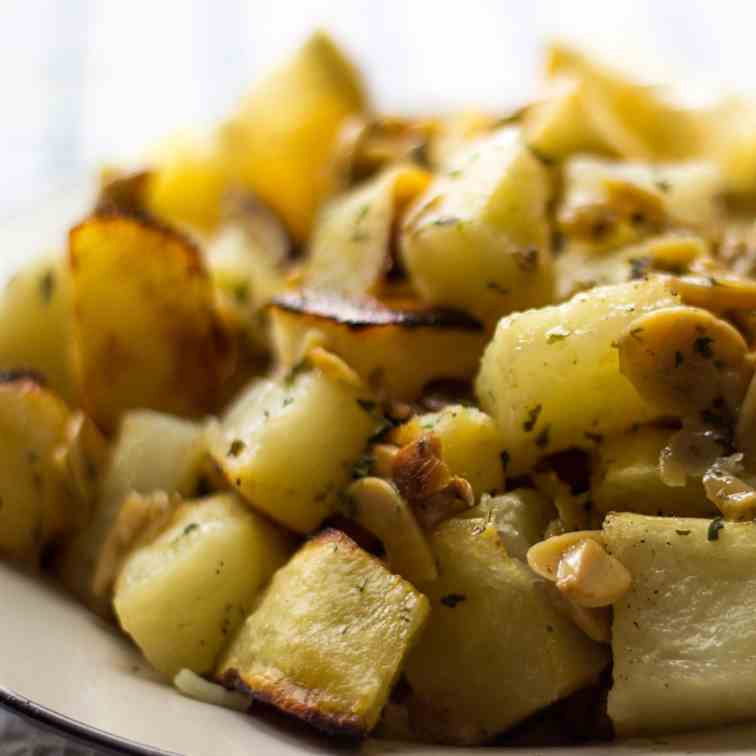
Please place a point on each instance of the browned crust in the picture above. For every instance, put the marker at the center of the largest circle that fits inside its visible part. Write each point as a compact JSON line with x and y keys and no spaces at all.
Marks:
{"x":280,"y":696}
{"x":23,"y":377}
{"x":126,"y":194}
{"x":358,"y":315}
{"x":147,"y":223}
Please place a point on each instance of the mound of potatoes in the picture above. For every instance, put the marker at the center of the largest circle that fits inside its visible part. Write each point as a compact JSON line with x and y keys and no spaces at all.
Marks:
{"x":434,"y":429}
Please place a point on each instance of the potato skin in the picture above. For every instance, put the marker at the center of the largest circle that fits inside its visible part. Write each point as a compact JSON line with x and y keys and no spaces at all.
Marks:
{"x":145,"y":332}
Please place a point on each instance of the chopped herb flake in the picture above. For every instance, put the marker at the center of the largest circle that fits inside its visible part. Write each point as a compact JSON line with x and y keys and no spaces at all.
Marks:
{"x":682,"y":532}
{"x":452,"y":599}
{"x":532,"y":419}
{"x":717,"y":524}
{"x":47,"y":286}
{"x":542,"y":439}
{"x":236,"y":448}
{"x":702,"y":346}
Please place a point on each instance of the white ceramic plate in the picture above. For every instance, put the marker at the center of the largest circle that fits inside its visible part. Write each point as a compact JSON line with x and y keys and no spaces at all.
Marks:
{"x":63,"y":668}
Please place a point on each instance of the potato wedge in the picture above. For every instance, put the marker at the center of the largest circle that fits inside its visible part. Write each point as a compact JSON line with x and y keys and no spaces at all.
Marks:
{"x":550,"y":378}
{"x":183,"y":595}
{"x":339,"y":677}
{"x":495,"y":649}
{"x":350,"y":251}
{"x":397,"y":351}
{"x":288,"y":446}
{"x":683,"y":638}
{"x":145,"y":333}
{"x":478,"y":238}
{"x":280,"y":141}
{"x":37,"y":506}
{"x":36,"y":322}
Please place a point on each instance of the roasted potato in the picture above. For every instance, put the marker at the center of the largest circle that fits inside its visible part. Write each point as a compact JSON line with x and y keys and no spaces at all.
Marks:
{"x":152,"y":452}
{"x":279,"y":142}
{"x":682,"y":639}
{"x":396,"y":350}
{"x":339,"y":677}
{"x":550,"y":378}
{"x":288,"y":445}
{"x":183,"y":594}
{"x":478,"y":239}
{"x":145,"y":332}
{"x":36,"y":322}
{"x":350,"y":251}
{"x":37,"y":506}
{"x":495,"y":650}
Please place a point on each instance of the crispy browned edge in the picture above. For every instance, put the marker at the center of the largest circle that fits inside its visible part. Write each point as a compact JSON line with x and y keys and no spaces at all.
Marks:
{"x":361,"y":314}
{"x":23,"y":378}
{"x":114,"y":216}
{"x":279,"y":695}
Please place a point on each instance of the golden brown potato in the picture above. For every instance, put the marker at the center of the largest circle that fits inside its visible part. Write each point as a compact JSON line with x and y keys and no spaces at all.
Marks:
{"x":397,"y":351}
{"x":280,"y":141}
{"x":145,"y":332}
{"x":328,"y":639}
{"x":478,"y":239}
{"x":37,"y":505}
{"x":35,"y":324}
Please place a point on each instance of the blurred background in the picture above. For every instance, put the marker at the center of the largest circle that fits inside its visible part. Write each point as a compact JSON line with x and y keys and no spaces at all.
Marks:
{"x":85,"y":81}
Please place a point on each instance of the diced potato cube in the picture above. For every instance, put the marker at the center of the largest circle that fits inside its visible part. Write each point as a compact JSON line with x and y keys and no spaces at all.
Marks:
{"x":478,"y":238}
{"x":152,"y":452}
{"x":683,"y":638}
{"x":35,"y":324}
{"x":350,"y":251}
{"x":471,"y":444}
{"x":182,"y":596}
{"x":396,"y":351}
{"x":145,"y":331}
{"x":280,"y":141}
{"x":626,"y":478}
{"x":35,"y":503}
{"x":495,"y":650}
{"x":288,"y":446}
{"x":550,"y":378}
{"x":328,"y":639}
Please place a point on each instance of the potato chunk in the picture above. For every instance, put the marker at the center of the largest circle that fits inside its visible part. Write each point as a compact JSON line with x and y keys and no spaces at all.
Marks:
{"x":280,"y":141}
{"x":145,"y":333}
{"x":683,"y":637}
{"x":350,"y":251}
{"x":478,"y":239}
{"x":627,"y":478}
{"x":396,"y":350}
{"x":551,"y":379}
{"x":471,"y":444}
{"x":152,"y":452}
{"x":36,"y":504}
{"x":35,"y":324}
{"x":287,"y":446}
{"x":183,"y":595}
{"x":328,"y":639}
{"x":495,"y":650}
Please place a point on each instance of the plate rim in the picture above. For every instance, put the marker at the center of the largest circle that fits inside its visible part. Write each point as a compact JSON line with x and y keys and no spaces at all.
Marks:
{"x":69,"y":727}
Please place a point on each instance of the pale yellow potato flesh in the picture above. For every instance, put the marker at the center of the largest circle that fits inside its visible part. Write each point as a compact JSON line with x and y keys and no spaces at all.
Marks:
{"x":683,"y":638}
{"x":182,"y":596}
